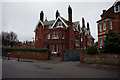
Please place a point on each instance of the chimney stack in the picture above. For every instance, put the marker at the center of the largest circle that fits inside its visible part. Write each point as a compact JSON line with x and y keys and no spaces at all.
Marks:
{"x":57,"y":14}
{"x":70,"y":14}
{"x":88,"y":28}
{"x":104,"y":11}
{"x":83,"y":23}
{"x":41,"y":15}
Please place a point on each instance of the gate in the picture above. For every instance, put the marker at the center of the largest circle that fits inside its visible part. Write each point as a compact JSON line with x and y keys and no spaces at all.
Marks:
{"x":71,"y":55}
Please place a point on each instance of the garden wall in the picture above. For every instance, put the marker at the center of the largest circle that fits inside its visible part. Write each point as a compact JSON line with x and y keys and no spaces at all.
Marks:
{"x":108,"y":59}
{"x":32,"y":53}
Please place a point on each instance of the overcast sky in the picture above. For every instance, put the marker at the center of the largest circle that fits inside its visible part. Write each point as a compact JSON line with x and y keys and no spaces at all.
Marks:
{"x":22,"y":17}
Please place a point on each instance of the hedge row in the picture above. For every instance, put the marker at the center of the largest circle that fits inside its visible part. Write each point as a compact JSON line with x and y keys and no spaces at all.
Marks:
{"x":25,"y":49}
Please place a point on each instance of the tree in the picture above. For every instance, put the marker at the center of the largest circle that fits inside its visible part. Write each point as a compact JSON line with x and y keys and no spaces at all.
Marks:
{"x":112,"y":43}
{"x":8,"y":39}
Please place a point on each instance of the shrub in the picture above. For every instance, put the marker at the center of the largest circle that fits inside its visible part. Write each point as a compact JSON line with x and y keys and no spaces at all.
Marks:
{"x":112,"y":43}
{"x":92,"y":50}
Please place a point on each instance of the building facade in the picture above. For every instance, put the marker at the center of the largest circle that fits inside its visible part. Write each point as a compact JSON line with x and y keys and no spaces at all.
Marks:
{"x":110,"y":19}
{"x":60,"y":33}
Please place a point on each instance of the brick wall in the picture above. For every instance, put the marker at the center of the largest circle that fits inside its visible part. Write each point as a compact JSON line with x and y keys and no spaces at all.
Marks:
{"x":27,"y":54}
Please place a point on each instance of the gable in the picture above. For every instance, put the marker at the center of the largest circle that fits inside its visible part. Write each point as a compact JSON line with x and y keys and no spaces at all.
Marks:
{"x":37,"y":26}
{"x":58,"y":20}
{"x":59,"y":24}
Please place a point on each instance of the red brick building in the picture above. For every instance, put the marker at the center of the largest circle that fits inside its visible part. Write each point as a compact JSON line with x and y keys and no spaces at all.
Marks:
{"x":61,"y":34}
{"x":110,"y":19}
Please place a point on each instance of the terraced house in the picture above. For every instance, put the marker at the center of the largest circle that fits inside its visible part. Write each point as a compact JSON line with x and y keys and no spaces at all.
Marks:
{"x":60,"y":33}
{"x":110,"y":19}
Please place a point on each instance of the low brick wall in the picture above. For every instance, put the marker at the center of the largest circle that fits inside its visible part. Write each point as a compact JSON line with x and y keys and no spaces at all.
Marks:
{"x":72,"y":55}
{"x":27,"y":54}
{"x":108,"y":59}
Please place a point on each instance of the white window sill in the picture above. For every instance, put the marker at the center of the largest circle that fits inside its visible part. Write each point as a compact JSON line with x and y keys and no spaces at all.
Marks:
{"x":59,"y":27}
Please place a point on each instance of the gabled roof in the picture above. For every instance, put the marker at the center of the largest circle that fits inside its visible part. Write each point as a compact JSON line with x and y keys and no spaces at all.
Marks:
{"x":38,"y":25}
{"x":62,"y":19}
{"x":117,"y":2}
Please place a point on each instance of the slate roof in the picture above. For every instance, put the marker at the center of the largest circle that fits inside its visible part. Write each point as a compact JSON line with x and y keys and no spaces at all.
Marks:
{"x":48,"y":22}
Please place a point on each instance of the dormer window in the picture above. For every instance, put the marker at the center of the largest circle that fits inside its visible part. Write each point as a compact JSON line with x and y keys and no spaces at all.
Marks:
{"x":117,"y":8}
{"x":59,"y":24}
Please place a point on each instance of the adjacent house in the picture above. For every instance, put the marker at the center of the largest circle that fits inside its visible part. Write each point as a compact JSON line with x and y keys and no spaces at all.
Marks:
{"x":60,"y":33}
{"x":110,"y":19}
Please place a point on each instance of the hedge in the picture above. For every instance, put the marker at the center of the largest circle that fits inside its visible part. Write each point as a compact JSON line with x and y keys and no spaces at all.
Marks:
{"x":25,"y":49}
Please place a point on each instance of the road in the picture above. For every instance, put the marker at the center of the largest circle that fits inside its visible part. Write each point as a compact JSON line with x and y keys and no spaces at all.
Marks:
{"x":38,"y":69}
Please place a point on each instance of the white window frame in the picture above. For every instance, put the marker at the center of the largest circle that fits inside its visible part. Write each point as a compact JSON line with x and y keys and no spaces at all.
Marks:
{"x":59,"y":24}
{"x":110,"y":24}
{"x":49,"y":27}
{"x":104,"y":25}
{"x":118,"y":6}
{"x":81,"y":39}
{"x":100,"y":27}
{"x":55,"y":35}
{"x":48,"y":36}
{"x":101,"y":42}
{"x":77,"y":42}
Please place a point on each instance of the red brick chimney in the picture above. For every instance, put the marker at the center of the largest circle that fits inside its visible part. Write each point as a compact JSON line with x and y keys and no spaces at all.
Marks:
{"x":83,"y":23}
{"x":57,"y":14}
{"x":41,"y":15}
{"x":71,"y":32}
{"x":70,"y":15}
{"x":88,"y":26}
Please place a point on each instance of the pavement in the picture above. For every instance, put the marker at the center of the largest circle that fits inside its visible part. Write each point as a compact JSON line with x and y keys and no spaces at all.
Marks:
{"x":55,"y":68}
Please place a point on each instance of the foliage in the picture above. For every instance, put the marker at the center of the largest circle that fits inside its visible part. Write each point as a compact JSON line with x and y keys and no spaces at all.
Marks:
{"x":92,"y":50}
{"x":112,"y":43}
{"x":8,"y":39}
{"x":26,"y":49}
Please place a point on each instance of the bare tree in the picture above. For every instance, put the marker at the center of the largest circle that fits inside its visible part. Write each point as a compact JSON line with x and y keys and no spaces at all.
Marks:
{"x":8,"y":39}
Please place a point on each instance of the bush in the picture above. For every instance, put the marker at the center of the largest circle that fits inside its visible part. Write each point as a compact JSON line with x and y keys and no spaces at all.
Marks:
{"x":112,"y":43}
{"x":92,"y":50}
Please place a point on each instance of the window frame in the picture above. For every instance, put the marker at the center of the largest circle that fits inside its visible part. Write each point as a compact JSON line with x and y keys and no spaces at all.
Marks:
{"x":49,"y":26}
{"x":62,"y":35}
{"x":48,"y":36}
{"x":100,"y":27}
{"x":110,"y":25}
{"x":104,"y":25}
{"x":55,"y":35}
{"x":59,"y":24}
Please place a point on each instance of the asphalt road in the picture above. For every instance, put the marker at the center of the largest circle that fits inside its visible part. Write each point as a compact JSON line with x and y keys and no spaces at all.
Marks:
{"x":35,"y":69}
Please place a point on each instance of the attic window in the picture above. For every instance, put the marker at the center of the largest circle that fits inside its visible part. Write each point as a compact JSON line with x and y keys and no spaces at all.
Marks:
{"x":49,"y":27}
{"x":117,"y":9}
{"x":59,"y":24}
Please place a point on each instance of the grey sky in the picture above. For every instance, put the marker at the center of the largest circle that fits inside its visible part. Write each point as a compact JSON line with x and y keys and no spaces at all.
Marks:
{"x":22,"y":17}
